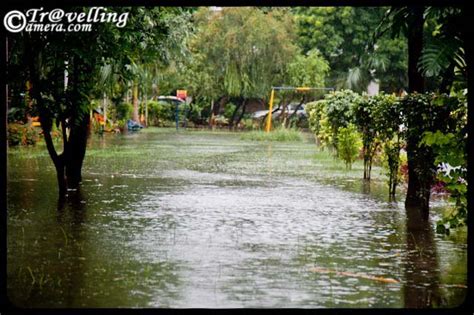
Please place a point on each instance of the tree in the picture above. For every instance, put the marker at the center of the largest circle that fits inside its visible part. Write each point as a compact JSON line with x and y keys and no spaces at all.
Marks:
{"x":344,"y":37}
{"x":367,"y":125}
{"x":241,"y":53}
{"x":433,"y":58}
{"x":45,"y":59}
{"x":349,"y":144}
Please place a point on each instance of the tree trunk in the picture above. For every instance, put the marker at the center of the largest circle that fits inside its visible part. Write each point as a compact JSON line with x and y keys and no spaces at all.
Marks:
{"x":61,"y":177}
{"x":232,"y":119}
{"x":76,"y":150}
{"x":211,"y":115}
{"x":417,"y":192}
{"x":244,"y":105}
{"x":295,"y":110}
{"x":415,"y":47}
{"x":146,"y":111}
{"x":135,"y":102}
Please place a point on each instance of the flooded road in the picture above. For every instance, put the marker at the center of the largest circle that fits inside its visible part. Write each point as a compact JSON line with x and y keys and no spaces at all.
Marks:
{"x":201,"y":219}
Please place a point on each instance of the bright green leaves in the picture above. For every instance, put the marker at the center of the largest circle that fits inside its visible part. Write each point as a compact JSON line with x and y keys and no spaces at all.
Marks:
{"x":242,"y":51}
{"x":349,"y":144}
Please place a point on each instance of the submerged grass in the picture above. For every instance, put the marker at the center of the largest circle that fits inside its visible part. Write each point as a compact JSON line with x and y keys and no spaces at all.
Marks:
{"x":280,"y":134}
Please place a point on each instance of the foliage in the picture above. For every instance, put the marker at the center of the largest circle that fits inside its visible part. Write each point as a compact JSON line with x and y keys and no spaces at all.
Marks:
{"x":339,"y":110}
{"x":21,"y":134}
{"x":229,"y":110}
{"x":240,"y":52}
{"x":199,"y":113}
{"x":425,"y":113}
{"x":318,"y":122}
{"x":391,"y":162}
{"x":123,"y":111}
{"x":388,"y":118}
{"x":279,"y":134}
{"x":160,"y":112}
{"x":342,"y":35}
{"x":308,"y":70}
{"x":367,"y":125}
{"x":350,"y":143}
{"x":442,"y":61}
{"x":444,"y":55}
{"x":450,"y":148}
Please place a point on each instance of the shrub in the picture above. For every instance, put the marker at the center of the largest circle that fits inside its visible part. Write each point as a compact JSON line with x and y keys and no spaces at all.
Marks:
{"x":315,"y":111}
{"x":159,"y":113}
{"x":199,"y":113}
{"x":319,"y":123}
{"x":350,"y":143}
{"x":391,"y":162}
{"x":229,"y":110}
{"x":19,"y":134}
{"x":123,"y":111}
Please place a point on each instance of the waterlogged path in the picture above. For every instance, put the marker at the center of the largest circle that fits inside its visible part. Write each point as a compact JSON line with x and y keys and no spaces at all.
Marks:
{"x":201,"y":219}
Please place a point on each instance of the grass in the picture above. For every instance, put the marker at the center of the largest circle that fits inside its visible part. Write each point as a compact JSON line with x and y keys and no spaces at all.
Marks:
{"x":280,"y":134}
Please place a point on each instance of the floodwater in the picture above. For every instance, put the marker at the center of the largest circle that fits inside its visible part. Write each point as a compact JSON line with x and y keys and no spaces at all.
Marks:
{"x":202,"y":219}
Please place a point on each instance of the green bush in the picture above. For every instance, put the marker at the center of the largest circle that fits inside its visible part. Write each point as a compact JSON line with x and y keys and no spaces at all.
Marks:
{"x":350,"y":143}
{"x":315,"y":111}
{"x":123,"y":111}
{"x":280,"y":134}
{"x":160,"y":113}
{"x":19,"y":134}
{"x":319,"y":123}
{"x":229,"y":110}
{"x":199,"y":113}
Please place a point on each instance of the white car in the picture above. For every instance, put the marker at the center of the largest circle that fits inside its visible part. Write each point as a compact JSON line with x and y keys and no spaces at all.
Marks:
{"x":290,"y":109}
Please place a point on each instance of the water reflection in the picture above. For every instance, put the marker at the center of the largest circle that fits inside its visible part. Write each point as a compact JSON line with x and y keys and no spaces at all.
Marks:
{"x":189,"y":220}
{"x":422,"y":272}
{"x":71,"y":218}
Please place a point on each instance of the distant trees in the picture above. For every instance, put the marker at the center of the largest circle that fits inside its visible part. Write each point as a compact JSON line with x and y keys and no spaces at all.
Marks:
{"x":241,"y":53}
{"x":343,"y":35}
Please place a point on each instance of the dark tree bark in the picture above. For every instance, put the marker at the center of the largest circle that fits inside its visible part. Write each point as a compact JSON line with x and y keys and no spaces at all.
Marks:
{"x":415,"y":47}
{"x":68,"y":164}
{"x":234,"y":114}
{"x":417,"y":193}
{"x":77,"y":144}
{"x":244,"y":106}
{"x":295,"y":110}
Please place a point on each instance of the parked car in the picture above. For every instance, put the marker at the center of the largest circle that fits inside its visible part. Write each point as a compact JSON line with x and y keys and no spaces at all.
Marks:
{"x":299,"y":112}
{"x":290,"y":109}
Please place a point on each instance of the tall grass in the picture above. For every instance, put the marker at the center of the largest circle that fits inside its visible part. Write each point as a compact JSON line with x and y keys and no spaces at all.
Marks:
{"x":279,"y":134}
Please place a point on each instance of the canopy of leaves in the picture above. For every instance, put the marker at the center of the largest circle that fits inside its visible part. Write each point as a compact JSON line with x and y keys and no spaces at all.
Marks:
{"x":344,"y":37}
{"x":241,"y":52}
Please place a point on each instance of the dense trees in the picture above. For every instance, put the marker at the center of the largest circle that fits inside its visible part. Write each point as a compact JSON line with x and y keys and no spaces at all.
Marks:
{"x":344,"y":37}
{"x":63,"y":71}
{"x":244,"y":51}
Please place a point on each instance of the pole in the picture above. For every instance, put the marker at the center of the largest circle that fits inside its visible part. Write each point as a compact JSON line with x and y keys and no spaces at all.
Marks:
{"x":105,"y":109}
{"x":269,"y":118}
{"x":146,"y":110}
{"x":177,"y":115}
{"x":186,"y":111}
